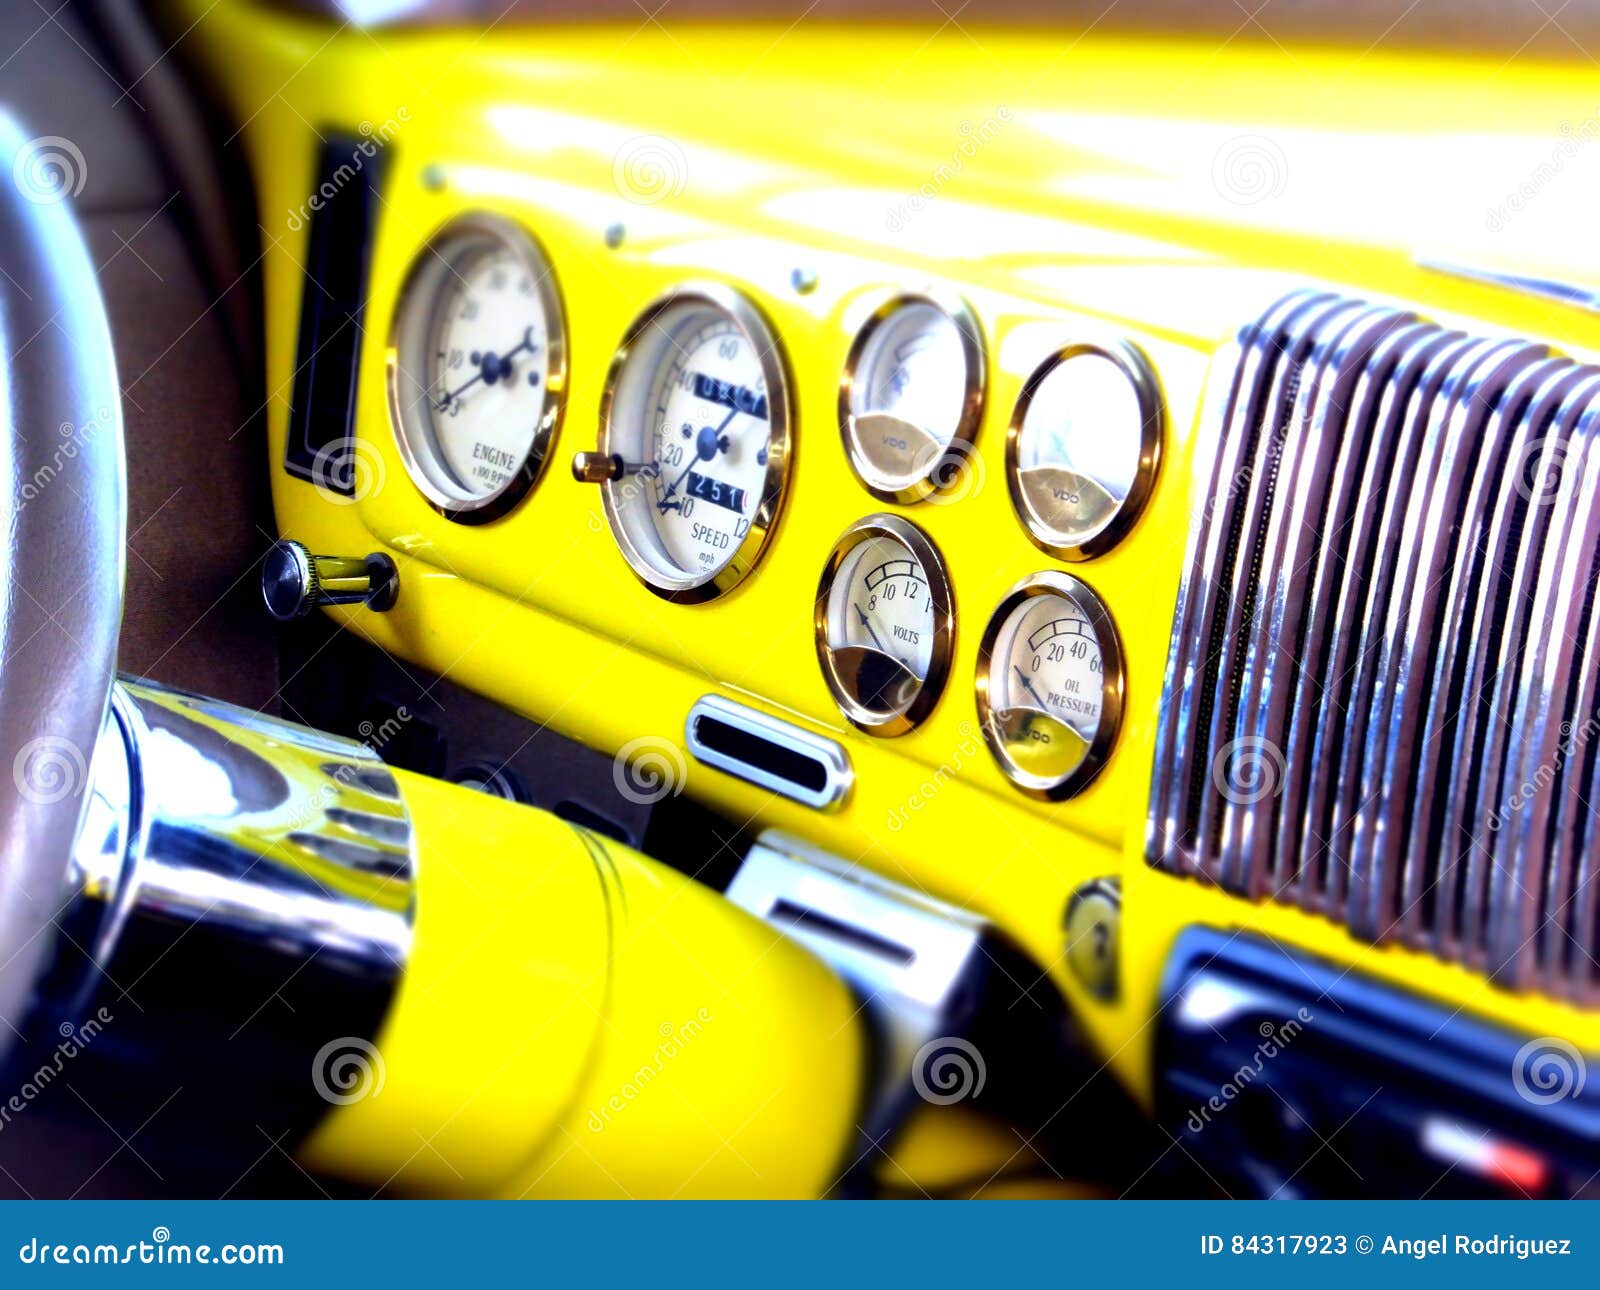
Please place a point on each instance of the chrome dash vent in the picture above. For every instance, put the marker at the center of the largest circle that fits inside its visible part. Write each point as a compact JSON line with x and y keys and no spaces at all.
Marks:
{"x":1382,"y":696}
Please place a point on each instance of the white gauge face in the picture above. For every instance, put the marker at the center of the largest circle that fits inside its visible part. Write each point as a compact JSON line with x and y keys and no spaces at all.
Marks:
{"x":880,"y":601}
{"x":1052,"y":663}
{"x":885,"y":624}
{"x":478,"y":349}
{"x":910,"y":394}
{"x":1047,"y":683}
{"x":692,"y":420}
{"x":1081,"y":448}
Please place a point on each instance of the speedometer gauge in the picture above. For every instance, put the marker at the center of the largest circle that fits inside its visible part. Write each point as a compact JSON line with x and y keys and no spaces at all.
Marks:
{"x":1083,"y":448}
{"x":885,"y":624}
{"x":912,"y":397}
{"x":477,"y":367}
{"x":694,"y":442}
{"x":1050,"y":685}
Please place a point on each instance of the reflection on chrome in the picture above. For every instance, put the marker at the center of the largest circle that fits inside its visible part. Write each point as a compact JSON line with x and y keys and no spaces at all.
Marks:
{"x":248,"y":877}
{"x":286,"y":836}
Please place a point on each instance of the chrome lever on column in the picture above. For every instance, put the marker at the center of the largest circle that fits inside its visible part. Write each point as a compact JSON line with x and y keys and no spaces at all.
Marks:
{"x":237,"y":912}
{"x":294,"y":582}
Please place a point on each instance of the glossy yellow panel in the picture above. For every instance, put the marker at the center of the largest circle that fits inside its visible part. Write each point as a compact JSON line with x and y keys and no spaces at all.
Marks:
{"x":1068,"y":187}
{"x":577,"y":1020}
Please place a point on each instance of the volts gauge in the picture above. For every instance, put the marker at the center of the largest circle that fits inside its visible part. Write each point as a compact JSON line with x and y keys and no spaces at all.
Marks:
{"x":885,"y":624}
{"x":1083,"y":448}
{"x":694,"y":442}
{"x":912,"y":396}
{"x":477,"y":367}
{"x":1050,"y":685}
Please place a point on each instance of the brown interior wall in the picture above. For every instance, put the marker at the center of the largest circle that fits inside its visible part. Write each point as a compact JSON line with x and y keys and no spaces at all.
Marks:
{"x":197,"y":512}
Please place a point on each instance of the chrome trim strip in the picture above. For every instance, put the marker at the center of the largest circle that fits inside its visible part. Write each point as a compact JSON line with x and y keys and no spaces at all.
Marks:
{"x":1506,"y":670}
{"x":1275,"y":433}
{"x":1164,"y":843}
{"x":827,"y":754}
{"x":1558,"y":934}
{"x":1430,"y":543}
{"x":1410,"y":411}
{"x":1388,"y":633}
{"x":1581,"y":965}
{"x":1295,"y":523}
{"x":1289,"y":410}
{"x":1362,"y":459}
{"x":1559,"y":606}
{"x":1226,"y":442}
{"x":1473,"y":579}
{"x":1567,"y":293}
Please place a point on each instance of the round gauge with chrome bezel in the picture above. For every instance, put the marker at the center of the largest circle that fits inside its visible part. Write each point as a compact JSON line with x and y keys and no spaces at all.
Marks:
{"x":694,"y":442}
{"x":477,"y":367}
{"x":1050,"y":685}
{"x":885,"y":624}
{"x":1083,"y":448}
{"x":911,"y":398}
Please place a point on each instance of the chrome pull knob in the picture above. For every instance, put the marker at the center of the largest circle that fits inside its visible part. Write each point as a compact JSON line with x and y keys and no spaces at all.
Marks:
{"x":294,"y":582}
{"x":596,"y":467}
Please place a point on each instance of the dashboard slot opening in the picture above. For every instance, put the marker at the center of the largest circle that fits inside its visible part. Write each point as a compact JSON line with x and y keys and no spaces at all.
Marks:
{"x":322,"y":404}
{"x":761,"y":754}
{"x":787,"y":913}
{"x":768,"y":751}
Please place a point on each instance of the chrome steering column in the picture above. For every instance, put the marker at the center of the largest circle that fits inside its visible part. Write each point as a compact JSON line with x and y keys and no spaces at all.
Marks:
{"x":237,"y":917}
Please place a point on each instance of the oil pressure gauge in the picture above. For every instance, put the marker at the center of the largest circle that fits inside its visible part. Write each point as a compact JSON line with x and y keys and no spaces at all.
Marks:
{"x":885,"y":624}
{"x":1082,"y":451}
{"x":1050,"y":685}
{"x":912,"y":396}
{"x":477,"y":367}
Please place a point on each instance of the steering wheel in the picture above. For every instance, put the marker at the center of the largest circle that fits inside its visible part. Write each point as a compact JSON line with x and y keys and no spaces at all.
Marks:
{"x":63,"y":498}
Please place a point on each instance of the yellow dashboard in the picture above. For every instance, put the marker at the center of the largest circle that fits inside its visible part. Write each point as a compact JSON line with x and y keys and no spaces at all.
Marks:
{"x":1062,"y":205}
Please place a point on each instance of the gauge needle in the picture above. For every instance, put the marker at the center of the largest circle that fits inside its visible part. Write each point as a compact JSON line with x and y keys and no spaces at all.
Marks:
{"x":707,"y":446}
{"x":491,"y":368}
{"x":1028,"y":686}
{"x":867,"y":623}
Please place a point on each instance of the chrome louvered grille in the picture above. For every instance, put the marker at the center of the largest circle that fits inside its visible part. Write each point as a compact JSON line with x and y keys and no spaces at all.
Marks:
{"x":1384,"y":677}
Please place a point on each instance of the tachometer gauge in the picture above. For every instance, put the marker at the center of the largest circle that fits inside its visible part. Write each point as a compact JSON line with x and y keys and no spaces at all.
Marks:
{"x":1084,"y":444}
{"x":912,"y":397}
{"x":694,"y":442}
{"x":885,"y":624}
{"x":1050,"y":685}
{"x":477,"y":367}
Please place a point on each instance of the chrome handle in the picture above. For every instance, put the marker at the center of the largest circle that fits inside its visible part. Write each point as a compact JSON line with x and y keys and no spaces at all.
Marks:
{"x":294,"y":582}
{"x":596,"y":468}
